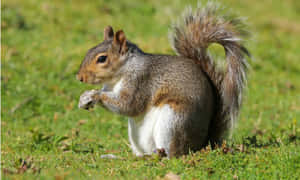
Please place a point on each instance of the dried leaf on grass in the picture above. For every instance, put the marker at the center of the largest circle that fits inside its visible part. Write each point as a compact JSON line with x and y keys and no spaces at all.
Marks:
{"x":171,"y":176}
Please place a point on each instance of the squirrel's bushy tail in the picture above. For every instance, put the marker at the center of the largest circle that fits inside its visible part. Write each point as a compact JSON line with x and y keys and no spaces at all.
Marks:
{"x":191,"y":39}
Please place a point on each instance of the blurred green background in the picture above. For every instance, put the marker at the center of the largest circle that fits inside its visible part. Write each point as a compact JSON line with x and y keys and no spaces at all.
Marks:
{"x":44,"y":135}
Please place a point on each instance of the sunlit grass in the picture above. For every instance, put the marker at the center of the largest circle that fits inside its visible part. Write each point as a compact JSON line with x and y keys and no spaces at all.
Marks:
{"x":45,"y":135}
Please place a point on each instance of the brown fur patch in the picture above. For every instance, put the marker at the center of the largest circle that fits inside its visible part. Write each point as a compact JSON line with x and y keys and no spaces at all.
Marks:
{"x":166,"y":96}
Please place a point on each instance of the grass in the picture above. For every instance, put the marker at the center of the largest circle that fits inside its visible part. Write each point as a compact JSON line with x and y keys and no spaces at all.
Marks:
{"x":44,"y":135}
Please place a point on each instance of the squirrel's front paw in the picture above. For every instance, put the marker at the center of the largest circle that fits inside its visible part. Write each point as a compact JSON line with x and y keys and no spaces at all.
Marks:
{"x":88,"y":99}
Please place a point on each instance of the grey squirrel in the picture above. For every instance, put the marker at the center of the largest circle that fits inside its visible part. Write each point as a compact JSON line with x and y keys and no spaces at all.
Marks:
{"x":175,"y":104}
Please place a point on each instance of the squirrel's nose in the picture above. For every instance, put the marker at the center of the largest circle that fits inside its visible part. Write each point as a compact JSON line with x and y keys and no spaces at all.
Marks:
{"x":80,"y":78}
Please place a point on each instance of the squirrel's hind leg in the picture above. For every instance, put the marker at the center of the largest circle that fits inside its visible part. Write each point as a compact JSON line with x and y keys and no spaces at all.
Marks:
{"x":178,"y":132}
{"x":168,"y":130}
{"x":153,"y":132}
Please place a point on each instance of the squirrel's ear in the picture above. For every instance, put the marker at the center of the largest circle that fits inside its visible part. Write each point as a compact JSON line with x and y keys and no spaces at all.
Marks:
{"x":108,"y":33}
{"x":120,"y":39}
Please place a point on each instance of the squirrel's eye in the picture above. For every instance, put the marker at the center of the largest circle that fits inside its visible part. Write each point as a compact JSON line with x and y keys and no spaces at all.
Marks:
{"x":101,"y":59}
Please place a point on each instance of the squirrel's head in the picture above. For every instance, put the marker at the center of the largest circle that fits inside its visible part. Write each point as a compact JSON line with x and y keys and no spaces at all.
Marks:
{"x":103,"y":61}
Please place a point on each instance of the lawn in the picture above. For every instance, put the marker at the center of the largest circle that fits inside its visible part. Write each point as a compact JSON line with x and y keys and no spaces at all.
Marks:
{"x":45,"y":136}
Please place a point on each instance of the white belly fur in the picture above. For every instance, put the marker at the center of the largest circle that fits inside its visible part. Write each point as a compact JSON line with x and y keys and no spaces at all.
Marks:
{"x":153,"y":131}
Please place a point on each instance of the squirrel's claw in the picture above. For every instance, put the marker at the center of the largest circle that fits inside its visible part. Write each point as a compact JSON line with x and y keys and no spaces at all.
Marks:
{"x":87,"y":100}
